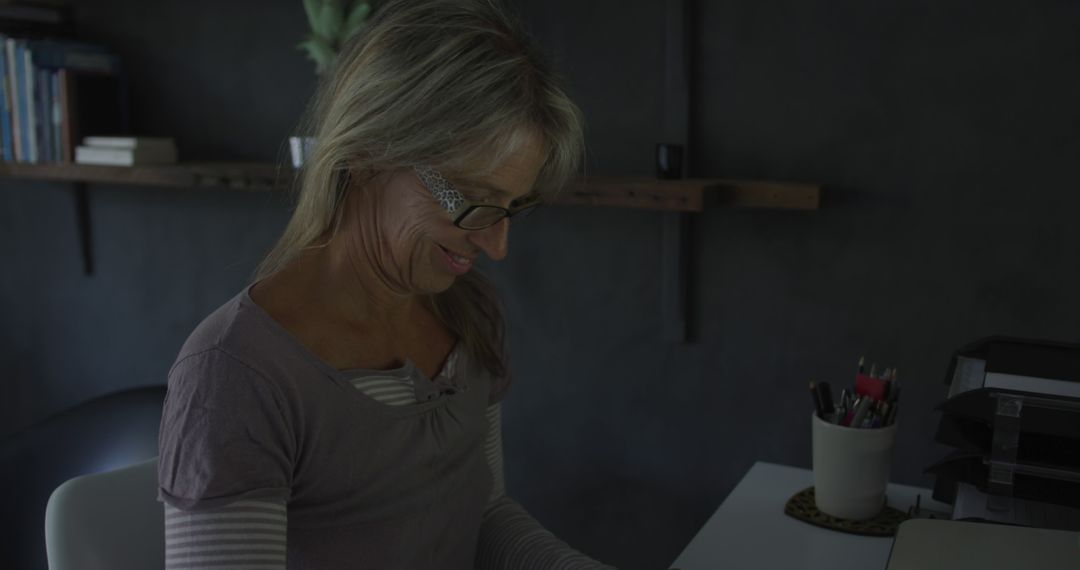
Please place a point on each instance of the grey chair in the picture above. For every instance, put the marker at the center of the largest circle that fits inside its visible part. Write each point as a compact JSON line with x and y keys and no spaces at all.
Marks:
{"x":107,"y":520}
{"x":111,"y":431}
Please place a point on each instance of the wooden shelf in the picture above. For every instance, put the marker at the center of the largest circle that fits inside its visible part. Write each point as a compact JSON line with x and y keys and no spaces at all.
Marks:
{"x":238,"y":176}
{"x":691,"y":195}
{"x":687,"y":195}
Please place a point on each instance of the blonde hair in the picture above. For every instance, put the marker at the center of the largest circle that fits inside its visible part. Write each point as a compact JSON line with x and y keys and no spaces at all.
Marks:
{"x":441,"y":83}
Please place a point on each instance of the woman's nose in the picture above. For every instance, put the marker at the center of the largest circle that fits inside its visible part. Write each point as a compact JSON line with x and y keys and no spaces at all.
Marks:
{"x":494,"y":240}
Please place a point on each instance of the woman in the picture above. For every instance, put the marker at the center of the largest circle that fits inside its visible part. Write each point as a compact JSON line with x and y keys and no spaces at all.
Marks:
{"x":343,"y":411}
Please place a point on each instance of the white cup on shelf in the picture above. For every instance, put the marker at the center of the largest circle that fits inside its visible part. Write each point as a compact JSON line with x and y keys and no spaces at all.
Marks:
{"x":300,"y":148}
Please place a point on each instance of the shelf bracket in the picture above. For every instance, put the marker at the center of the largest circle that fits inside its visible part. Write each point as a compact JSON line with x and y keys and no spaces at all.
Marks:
{"x":674,"y":252}
{"x":82,"y":215}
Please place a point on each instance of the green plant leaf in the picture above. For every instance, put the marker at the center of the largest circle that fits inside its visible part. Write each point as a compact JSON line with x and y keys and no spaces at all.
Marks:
{"x":320,"y":52}
{"x":312,"y":8}
{"x":357,"y":16}
{"x":331,"y":20}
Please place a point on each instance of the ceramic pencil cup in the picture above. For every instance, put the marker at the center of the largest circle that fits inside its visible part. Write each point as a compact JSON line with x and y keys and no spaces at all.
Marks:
{"x":851,"y":468}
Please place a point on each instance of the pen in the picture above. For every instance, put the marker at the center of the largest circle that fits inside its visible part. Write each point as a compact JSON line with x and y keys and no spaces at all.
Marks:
{"x":825,"y":397}
{"x":861,"y":408}
{"x":891,"y":416}
{"x":819,"y":408}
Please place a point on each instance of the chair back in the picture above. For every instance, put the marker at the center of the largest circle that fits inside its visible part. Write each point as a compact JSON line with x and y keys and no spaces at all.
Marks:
{"x":107,"y":521}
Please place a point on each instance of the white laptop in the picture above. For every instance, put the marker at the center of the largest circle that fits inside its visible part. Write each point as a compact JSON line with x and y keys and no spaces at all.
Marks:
{"x":927,"y":544}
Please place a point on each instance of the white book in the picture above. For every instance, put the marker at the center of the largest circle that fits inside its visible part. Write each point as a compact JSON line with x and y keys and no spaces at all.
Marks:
{"x":128,"y":142}
{"x":125,"y":156}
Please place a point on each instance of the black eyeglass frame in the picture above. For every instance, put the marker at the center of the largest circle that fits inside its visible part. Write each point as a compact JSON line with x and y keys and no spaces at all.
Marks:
{"x":525,"y":204}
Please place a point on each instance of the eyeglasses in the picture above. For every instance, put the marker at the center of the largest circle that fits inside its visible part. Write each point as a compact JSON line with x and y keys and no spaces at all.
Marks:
{"x":466,"y":214}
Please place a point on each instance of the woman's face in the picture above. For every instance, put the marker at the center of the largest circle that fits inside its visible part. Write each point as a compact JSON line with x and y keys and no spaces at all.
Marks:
{"x":411,"y":241}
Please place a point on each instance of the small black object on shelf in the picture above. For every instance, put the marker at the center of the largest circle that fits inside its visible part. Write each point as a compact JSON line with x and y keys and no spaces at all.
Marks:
{"x":669,"y":161}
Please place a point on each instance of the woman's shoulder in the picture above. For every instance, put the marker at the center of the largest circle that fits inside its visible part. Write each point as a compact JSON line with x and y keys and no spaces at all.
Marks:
{"x":237,"y":332}
{"x":212,"y":330}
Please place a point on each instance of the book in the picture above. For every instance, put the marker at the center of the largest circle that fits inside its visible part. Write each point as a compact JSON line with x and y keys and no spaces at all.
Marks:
{"x":57,"y":116}
{"x":11,"y":50}
{"x":57,"y":54}
{"x":24,"y":94}
{"x":30,"y":82}
{"x":125,"y":156}
{"x":43,"y":108}
{"x":67,"y":138}
{"x":128,"y":142}
{"x":6,"y":139}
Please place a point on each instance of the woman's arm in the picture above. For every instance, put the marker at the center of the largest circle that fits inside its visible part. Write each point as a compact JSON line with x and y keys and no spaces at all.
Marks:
{"x":247,"y":535}
{"x":510,"y":538}
{"x":224,"y":466}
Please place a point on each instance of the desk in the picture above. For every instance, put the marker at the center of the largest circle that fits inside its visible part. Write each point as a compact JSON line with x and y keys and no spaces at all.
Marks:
{"x":750,"y":529}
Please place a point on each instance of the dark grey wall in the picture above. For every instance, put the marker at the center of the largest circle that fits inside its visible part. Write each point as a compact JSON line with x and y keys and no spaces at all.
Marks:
{"x":946,"y":134}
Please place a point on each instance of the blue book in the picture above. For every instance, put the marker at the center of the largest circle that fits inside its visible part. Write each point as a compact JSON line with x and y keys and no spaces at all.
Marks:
{"x":7,"y":141}
{"x":13,"y":98}
{"x":30,"y":81}
{"x":57,"y":117}
{"x":57,"y":54}
{"x":23,"y":92}
{"x":43,"y":114}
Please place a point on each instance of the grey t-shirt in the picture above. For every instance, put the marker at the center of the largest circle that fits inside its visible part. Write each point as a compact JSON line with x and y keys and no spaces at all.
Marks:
{"x":253,"y":414}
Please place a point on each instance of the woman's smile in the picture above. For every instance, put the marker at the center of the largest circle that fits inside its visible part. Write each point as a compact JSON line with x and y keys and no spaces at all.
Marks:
{"x":457,"y":263}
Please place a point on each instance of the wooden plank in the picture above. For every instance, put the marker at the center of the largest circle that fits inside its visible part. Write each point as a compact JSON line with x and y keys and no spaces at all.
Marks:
{"x":683,"y":195}
{"x":754,"y":194}
{"x":240,"y":176}
{"x":648,"y":193}
{"x":691,"y":195}
{"x":247,"y":176}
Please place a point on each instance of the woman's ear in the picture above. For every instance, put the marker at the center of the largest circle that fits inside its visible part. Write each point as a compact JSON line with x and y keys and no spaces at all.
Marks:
{"x":360,"y":180}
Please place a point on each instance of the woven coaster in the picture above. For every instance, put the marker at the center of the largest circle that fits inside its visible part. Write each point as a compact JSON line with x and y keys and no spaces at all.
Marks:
{"x":802,"y":507}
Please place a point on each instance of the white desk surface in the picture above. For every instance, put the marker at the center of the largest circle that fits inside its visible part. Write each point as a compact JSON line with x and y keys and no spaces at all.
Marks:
{"x":750,"y":529}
